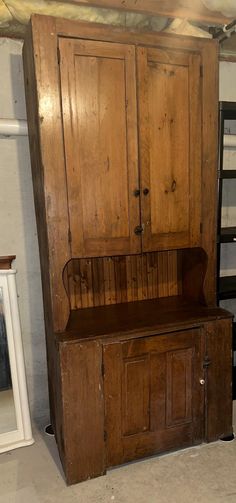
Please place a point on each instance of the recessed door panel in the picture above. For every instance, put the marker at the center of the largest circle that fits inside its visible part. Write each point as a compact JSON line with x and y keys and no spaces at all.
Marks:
{"x":135,"y":395}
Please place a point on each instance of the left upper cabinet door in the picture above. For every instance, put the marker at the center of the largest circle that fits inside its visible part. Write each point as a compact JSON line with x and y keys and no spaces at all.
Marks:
{"x":98,"y":92}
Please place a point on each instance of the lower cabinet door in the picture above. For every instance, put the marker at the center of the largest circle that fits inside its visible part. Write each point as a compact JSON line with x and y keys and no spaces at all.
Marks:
{"x":154,"y":394}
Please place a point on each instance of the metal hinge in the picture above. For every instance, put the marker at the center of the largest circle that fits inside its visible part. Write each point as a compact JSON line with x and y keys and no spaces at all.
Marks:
{"x":206,"y":362}
{"x":201,"y":71}
{"x":58,"y":56}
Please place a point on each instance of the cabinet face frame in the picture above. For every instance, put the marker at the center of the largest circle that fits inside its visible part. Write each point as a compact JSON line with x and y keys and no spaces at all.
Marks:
{"x":50,"y":176}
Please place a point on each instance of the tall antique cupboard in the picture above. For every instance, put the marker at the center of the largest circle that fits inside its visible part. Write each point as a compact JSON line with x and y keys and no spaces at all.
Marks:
{"x":123,"y":140}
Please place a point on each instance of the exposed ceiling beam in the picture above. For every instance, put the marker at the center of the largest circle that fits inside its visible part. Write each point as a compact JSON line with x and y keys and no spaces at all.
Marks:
{"x":190,"y":9}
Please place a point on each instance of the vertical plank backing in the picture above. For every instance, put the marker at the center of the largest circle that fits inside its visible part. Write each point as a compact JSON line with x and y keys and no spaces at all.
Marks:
{"x":83,"y":455}
{"x":113,"y":280}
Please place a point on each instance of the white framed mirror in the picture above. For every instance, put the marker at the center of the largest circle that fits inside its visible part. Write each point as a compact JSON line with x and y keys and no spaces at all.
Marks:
{"x":15,"y":425}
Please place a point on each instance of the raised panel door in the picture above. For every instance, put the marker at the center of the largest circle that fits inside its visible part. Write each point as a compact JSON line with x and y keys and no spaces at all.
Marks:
{"x":153,"y":398}
{"x":169,"y":98}
{"x":98,"y":89}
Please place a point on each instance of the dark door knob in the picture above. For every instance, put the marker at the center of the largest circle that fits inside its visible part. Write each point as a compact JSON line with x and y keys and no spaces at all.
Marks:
{"x":136,"y":192}
{"x":138,"y":230}
{"x":145,"y":191}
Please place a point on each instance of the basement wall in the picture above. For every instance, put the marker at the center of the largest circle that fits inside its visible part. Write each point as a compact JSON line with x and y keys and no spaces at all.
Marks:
{"x":18,"y":234}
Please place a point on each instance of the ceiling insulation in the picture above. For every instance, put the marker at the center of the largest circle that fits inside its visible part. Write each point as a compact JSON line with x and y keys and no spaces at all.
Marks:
{"x":15,"y":14}
{"x":226,"y":7}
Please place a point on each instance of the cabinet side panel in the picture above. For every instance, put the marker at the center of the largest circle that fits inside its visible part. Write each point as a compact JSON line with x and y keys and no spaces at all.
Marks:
{"x":46,"y":141}
{"x":209,"y":165}
{"x":219,"y":379}
{"x":39,"y":201}
{"x":83,"y":411}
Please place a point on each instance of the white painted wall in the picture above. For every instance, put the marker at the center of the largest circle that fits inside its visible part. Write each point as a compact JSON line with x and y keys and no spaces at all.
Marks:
{"x":18,"y":235}
{"x":227,"y":92}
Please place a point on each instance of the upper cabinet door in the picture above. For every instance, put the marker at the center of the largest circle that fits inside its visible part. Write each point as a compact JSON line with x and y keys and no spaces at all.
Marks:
{"x":169,"y":97}
{"x":98,"y":87}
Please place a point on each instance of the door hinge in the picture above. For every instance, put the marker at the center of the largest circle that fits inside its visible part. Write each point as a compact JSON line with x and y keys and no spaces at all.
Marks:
{"x":201,"y":228}
{"x":206,"y":362}
{"x":69,"y":236}
{"x":201,"y":71}
{"x":58,"y":56}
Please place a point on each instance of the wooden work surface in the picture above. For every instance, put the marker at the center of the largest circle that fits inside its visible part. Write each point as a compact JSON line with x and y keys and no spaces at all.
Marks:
{"x":154,"y":316}
{"x":5,"y":262}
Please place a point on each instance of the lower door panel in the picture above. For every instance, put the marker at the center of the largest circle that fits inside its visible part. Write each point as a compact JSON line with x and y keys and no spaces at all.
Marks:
{"x":153,"y":398}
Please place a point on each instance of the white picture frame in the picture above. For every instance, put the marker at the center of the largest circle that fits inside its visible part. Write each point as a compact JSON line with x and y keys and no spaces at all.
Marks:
{"x":22,"y":435}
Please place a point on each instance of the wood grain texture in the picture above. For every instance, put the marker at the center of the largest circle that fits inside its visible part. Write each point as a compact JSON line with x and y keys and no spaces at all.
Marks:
{"x":5,"y":262}
{"x":132,"y":319}
{"x":169,"y":98}
{"x":40,"y":209}
{"x":112,"y":280}
{"x":83,"y":411}
{"x":100,"y":129}
{"x":44,"y":114}
{"x":132,"y":431}
{"x":148,"y":310}
{"x":98,"y":31}
{"x":219,"y":379}
{"x":194,"y":263}
{"x":183,"y":9}
{"x":210,"y":89}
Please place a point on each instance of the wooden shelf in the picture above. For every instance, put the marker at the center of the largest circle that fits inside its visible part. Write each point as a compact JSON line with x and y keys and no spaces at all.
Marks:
{"x":227,"y":235}
{"x":227,"y":173}
{"x":228,"y":109}
{"x":227,"y":287}
{"x":153,"y":316}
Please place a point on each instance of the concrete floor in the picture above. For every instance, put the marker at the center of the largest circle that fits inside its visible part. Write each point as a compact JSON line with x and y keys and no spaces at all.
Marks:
{"x":204,"y":474}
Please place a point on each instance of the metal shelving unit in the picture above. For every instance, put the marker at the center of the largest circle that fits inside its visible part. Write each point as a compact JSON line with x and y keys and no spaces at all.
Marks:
{"x":226,"y":284}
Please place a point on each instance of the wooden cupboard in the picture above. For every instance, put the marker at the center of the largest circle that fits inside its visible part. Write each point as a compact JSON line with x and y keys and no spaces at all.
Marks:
{"x":123,"y":140}
{"x":105,"y":88}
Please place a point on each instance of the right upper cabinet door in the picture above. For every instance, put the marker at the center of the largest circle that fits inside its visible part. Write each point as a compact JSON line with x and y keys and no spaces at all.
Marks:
{"x":170,"y":120}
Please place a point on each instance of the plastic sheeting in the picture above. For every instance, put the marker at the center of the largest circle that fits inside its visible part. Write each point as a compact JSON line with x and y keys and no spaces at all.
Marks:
{"x":226,"y":7}
{"x":15,"y":13}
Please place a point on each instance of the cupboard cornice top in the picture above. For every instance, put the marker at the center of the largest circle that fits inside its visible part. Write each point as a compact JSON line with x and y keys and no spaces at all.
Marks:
{"x":97,"y":31}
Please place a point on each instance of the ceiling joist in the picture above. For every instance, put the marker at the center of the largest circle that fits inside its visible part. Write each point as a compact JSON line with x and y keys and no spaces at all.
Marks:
{"x":189,"y":9}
